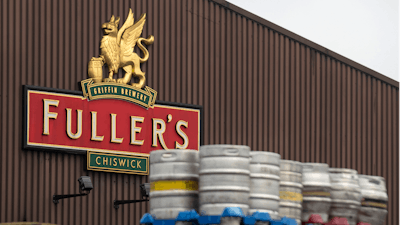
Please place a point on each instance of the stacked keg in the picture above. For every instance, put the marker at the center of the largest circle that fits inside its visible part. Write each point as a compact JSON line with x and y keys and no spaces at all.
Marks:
{"x":345,"y":194}
{"x":264,"y":183}
{"x":173,"y":182}
{"x":220,"y":176}
{"x":316,"y":191}
{"x":374,"y":200}
{"x":224,"y":178}
{"x":290,"y":190}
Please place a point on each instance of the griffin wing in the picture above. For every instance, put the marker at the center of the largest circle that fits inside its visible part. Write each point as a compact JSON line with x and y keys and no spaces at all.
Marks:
{"x":131,"y":35}
{"x":128,"y":22}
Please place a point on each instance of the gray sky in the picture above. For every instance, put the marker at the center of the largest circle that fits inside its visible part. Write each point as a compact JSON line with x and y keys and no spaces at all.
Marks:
{"x":365,"y":31}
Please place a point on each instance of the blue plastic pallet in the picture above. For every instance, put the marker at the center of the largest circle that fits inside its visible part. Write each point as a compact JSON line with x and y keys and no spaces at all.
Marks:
{"x":196,"y":219}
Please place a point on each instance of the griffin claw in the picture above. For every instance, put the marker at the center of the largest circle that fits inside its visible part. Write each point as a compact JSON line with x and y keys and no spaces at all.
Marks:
{"x":121,"y":81}
{"x":108,"y":80}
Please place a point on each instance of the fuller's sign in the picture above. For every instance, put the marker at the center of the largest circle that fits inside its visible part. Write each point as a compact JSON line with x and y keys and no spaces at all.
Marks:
{"x":116,"y":122}
{"x":63,"y":120}
{"x":71,"y":122}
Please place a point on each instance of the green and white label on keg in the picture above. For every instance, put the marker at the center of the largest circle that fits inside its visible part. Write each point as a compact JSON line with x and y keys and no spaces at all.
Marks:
{"x":118,"y":162}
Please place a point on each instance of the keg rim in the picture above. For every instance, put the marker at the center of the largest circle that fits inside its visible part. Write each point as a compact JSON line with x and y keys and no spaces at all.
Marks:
{"x":316,"y":199}
{"x":290,"y":184}
{"x":264,"y":152}
{"x":312,"y":163}
{"x":261,"y":196}
{"x":320,"y":165}
{"x":374,"y":194}
{"x":291,"y":173}
{"x":264,"y":158}
{"x":365,"y":176}
{"x":343,"y":170}
{"x":264,"y":176}
{"x":291,"y":204}
{"x":220,"y":150}
{"x":176,"y":156}
{"x":224,"y":145}
{"x":336,"y":202}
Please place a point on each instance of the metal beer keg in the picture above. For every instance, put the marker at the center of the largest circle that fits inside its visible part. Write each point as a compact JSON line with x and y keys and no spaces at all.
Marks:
{"x":316,"y":191}
{"x":264,"y":183}
{"x":345,"y":194}
{"x":290,"y":190}
{"x":173,"y":182}
{"x":224,"y":179}
{"x":374,"y":200}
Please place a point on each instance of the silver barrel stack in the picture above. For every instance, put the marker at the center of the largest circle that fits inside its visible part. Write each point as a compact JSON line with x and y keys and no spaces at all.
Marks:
{"x":290,"y":190}
{"x":220,"y":176}
{"x":224,"y":179}
{"x":264,"y":186}
{"x":345,"y":194}
{"x":316,"y":190}
{"x":374,"y":200}
{"x":174,"y":177}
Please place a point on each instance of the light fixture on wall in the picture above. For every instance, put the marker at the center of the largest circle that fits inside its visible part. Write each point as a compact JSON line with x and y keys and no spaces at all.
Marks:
{"x":85,"y":185}
{"x":144,"y":192}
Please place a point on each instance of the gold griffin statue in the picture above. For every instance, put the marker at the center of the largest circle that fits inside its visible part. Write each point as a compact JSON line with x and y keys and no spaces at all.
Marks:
{"x":117,"y":51}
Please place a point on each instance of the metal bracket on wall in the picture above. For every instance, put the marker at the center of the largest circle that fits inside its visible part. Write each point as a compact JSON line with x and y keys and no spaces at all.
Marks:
{"x":58,"y":197}
{"x":121,"y":202}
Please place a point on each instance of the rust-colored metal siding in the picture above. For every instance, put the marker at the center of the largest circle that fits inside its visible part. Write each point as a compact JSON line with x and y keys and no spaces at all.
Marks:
{"x":260,"y":85}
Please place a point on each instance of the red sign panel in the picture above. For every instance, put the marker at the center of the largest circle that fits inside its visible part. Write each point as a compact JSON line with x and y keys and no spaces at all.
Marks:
{"x":70,"y":122}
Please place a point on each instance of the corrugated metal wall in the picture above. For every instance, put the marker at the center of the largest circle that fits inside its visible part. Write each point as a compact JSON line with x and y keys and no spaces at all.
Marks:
{"x":260,"y":85}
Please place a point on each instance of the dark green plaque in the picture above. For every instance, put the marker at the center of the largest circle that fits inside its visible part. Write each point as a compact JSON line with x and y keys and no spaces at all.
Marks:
{"x":118,"y":162}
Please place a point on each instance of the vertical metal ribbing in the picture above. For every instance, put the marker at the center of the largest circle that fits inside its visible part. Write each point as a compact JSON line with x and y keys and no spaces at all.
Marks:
{"x":259,"y":84}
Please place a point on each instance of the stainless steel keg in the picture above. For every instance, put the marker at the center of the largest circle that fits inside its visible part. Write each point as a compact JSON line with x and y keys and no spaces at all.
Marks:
{"x":264,"y":183}
{"x":316,"y":191}
{"x":173,"y":182}
{"x":345,"y":194}
{"x":374,"y":200}
{"x":224,"y":178}
{"x":290,"y":190}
